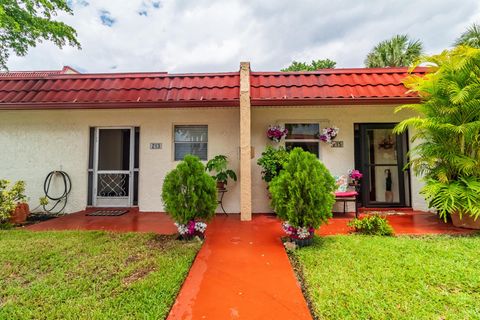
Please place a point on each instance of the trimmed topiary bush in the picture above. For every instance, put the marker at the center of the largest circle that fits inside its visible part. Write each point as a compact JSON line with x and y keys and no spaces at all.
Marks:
{"x":302,"y":194}
{"x":189,"y":193}
{"x":372,"y":225}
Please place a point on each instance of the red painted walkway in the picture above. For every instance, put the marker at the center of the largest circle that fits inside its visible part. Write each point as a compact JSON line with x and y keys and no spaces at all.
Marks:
{"x":241,"y":272}
{"x":132,"y":221}
{"x":408,"y":223}
{"x":413,"y":222}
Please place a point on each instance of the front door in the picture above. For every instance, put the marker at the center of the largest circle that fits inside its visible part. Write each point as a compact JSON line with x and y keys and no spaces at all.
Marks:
{"x":114,"y":167}
{"x":381,"y":156}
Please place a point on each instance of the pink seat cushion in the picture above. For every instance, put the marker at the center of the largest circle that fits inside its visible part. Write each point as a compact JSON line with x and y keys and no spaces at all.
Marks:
{"x":346,"y":194}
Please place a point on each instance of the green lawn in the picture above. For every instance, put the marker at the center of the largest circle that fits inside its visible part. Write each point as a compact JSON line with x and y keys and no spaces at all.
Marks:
{"x":90,"y":275}
{"x":362,"y":277}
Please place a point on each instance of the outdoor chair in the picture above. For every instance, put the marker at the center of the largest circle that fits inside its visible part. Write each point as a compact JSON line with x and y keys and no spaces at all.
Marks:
{"x":345,"y":194}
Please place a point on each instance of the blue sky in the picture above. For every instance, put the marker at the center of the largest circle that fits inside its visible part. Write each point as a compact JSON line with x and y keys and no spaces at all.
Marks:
{"x":208,"y":36}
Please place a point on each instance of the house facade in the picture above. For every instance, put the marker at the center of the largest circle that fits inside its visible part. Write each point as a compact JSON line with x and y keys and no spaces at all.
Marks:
{"x":118,"y":135}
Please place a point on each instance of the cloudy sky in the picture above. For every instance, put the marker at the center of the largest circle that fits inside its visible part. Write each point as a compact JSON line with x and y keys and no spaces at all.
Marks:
{"x":215,"y":35}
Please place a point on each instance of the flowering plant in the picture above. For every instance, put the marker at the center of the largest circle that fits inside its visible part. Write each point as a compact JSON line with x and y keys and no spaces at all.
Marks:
{"x":276,"y":133}
{"x":192,"y":228}
{"x":297,"y":233}
{"x":355,"y":175}
{"x":328,"y":134}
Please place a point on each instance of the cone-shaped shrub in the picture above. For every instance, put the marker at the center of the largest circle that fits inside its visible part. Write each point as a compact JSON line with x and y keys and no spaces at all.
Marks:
{"x":189,"y":192}
{"x":302,"y":193}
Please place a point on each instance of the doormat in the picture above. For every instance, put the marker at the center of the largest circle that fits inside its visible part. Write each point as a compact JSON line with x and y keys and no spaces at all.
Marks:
{"x":107,"y":213}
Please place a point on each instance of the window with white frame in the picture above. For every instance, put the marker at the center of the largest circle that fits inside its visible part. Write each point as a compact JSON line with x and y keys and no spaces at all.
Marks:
{"x":190,"y":139}
{"x":303,"y":135}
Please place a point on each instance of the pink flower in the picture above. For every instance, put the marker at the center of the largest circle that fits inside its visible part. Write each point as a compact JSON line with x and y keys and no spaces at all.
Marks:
{"x":355,"y":174}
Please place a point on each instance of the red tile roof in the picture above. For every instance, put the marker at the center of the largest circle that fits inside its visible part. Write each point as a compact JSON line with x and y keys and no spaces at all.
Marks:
{"x":120,"y":90}
{"x":331,"y":86}
{"x":54,"y":89}
{"x":45,"y":73}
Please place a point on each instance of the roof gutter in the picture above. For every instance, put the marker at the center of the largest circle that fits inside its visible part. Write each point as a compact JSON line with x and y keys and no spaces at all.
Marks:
{"x":334,"y":101}
{"x":118,"y":105}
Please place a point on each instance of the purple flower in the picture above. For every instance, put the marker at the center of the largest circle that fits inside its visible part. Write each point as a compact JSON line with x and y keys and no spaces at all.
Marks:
{"x":276,"y":133}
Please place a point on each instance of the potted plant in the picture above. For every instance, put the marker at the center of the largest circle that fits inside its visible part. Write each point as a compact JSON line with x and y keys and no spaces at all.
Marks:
{"x":328,"y":134}
{"x":447,"y":123}
{"x":272,"y":162}
{"x":219,"y":166}
{"x":190,"y":197}
{"x":355,"y":175}
{"x":302,"y":195}
{"x":276,"y":133}
{"x":13,"y":206}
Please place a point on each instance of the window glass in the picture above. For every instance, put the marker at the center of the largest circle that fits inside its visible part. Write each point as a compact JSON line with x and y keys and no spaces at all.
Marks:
{"x":303,"y":135}
{"x":302,"y":130}
{"x":191,"y":140}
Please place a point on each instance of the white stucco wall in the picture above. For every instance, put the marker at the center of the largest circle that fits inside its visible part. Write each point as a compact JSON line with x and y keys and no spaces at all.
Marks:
{"x":33,"y":143}
{"x":337,"y":160}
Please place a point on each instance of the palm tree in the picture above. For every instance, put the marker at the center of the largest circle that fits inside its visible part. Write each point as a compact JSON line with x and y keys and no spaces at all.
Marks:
{"x":471,"y":37}
{"x":399,"y":51}
{"x":447,"y":127}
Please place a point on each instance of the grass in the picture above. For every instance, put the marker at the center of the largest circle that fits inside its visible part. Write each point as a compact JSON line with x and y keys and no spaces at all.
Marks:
{"x":90,"y":275}
{"x":367,"y":277}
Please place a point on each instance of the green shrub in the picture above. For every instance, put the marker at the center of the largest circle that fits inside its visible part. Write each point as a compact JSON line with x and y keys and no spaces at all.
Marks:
{"x":219,"y":165}
{"x":189,"y":192}
{"x":372,"y":225}
{"x":448,"y":128}
{"x":10,"y":197}
{"x":302,"y":193}
{"x":272,"y":162}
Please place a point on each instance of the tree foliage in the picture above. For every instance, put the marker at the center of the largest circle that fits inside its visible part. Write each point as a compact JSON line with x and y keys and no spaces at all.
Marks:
{"x":399,"y":51}
{"x":314,"y":66}
{"x":448,"y":129}
{"x":189,"y":192}
{"x":24,"y":23}
{"x":471,"y":37}
{"x":302,"y":193}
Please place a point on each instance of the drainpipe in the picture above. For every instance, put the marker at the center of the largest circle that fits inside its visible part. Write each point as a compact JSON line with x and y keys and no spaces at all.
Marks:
{"x":245,"y":144}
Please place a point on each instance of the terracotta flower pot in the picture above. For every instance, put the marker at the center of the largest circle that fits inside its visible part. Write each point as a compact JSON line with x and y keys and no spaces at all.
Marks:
{"x":220,"y":185}
{"x":466,"y":221}
{"x":20,"y":214}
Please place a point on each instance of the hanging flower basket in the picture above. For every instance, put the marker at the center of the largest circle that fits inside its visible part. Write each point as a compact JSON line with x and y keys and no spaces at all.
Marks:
{"x":302,"y":236}
{"x":328,"y":134}
{"x":276,"y":133}
{"x":191,"y":230}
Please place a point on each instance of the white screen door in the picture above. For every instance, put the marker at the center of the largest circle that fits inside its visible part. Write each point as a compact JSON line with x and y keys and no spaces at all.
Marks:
{"x":113,"y":167}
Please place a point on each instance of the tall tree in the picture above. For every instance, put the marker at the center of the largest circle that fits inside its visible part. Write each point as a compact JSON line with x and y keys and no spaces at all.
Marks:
{"x":471,"y":37}
{"x":314,"y":66}
{"x":399,"y":51}
{"x":24,"y":23}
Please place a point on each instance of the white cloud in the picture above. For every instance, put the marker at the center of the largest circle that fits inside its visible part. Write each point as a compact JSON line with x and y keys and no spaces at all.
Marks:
{"x":215,"y":35}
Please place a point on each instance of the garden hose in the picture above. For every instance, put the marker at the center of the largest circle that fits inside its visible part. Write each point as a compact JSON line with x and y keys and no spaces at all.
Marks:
{"x":63,"y":198}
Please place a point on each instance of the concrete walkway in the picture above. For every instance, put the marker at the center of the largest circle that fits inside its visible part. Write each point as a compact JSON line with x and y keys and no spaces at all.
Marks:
{"x":241,"y":272}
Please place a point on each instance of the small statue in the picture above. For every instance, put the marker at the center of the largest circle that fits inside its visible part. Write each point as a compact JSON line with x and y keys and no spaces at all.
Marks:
{"x":388,"y":186}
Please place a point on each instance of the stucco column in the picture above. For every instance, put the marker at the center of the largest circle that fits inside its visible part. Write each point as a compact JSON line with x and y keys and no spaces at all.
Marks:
{"x":245,"y":144}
